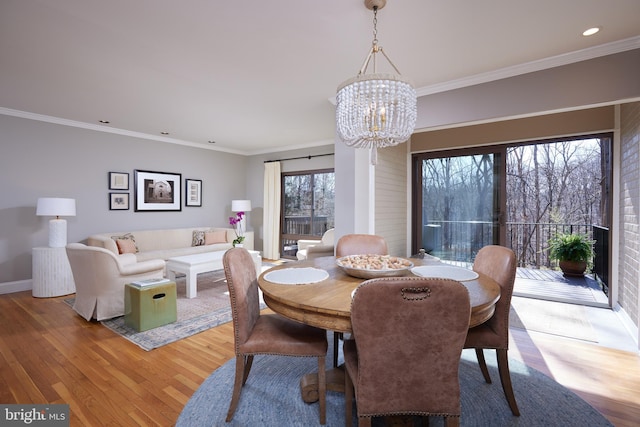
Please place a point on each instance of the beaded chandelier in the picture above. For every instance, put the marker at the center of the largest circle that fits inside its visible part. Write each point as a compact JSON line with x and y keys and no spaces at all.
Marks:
{"x":375,"y":110}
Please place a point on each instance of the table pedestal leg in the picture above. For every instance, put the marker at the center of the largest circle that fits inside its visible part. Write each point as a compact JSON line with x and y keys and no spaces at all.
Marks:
{"x":309,"y":384}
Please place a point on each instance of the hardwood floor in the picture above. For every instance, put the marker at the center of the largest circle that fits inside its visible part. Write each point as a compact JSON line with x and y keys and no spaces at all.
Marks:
{"x":49,"y":354}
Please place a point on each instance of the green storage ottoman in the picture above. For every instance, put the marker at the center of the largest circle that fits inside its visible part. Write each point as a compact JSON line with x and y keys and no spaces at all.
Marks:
{"x":149,"y":306}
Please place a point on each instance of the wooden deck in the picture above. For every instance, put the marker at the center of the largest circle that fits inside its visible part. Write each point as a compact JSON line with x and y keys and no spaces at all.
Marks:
{"x":552,"y":285}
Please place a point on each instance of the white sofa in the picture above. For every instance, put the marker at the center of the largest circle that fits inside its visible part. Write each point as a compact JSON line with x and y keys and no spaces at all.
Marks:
{"x":167,"y":243}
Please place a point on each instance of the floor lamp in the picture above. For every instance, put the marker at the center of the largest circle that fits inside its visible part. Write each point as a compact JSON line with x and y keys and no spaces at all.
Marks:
{"x":53,"y":206}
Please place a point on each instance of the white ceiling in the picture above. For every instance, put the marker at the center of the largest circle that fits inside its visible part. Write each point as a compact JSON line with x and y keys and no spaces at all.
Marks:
{"x":258,"y":76}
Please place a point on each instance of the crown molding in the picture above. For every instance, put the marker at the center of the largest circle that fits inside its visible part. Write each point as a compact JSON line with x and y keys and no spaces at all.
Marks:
{"x":533,"y":66}
{"x":529,"y":67}
{"x":303,"y":146}
{"x":101,"y":128}
{"x":107,"y":129}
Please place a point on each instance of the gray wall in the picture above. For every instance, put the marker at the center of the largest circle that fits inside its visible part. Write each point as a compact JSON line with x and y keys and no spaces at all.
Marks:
{"x":39,"y":159}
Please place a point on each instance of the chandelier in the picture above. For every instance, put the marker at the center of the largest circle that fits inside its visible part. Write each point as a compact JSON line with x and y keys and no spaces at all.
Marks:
{"x":375,"y":110}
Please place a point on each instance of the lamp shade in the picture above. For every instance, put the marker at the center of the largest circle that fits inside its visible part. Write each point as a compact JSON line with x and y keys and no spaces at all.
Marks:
{"x":54,"y":206}
{"x":241,"y":205}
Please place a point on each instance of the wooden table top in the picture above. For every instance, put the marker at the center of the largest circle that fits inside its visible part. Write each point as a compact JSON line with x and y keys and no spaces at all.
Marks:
{"x":327,"y":304}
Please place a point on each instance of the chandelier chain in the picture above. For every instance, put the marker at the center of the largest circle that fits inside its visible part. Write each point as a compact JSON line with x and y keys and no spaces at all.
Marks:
{"x":375,"y":26}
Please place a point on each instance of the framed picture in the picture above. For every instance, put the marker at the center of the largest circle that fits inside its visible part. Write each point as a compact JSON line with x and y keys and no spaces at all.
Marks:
{"x":118,"y":181}
{"x":118,"y":201}
{"x":193,"y":192}
{"x":157,"y":191}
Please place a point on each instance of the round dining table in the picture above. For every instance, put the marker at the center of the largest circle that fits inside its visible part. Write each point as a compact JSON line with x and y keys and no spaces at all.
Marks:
{"x":327,"y":303}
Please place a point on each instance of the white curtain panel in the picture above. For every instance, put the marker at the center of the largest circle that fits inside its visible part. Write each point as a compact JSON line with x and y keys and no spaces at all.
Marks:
{"x":271,"y":220}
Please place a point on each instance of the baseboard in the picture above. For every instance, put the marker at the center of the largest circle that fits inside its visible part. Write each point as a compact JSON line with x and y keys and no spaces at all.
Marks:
{"x":555,"y":298}
{"x":17,"y":286}
{"x":631,"y":327}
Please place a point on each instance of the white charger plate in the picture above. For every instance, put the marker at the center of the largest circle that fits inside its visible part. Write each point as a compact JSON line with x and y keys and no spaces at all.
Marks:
{"x":296,"y":276}
{"x":445,"y":272}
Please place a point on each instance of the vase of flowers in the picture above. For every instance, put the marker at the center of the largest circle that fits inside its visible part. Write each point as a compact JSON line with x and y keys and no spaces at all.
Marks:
{"x":236,"y":221}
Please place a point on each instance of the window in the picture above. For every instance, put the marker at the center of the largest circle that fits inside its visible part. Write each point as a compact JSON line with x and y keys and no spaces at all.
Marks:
{"x":517,"y":195}
{"x":307,"y":207}
{"x":457,"y":206}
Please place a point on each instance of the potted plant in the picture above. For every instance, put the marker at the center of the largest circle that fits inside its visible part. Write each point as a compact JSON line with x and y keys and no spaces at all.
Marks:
{"x":236,"y":222}
{"x":573,"y":251}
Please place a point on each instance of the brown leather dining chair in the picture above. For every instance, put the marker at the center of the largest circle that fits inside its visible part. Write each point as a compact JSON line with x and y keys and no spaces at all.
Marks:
{"x":361,"y":244}
{"x":255,"y":333}
{"x":357,"y":244}
{"x":499,"y":263}
{"x":404,"y":355}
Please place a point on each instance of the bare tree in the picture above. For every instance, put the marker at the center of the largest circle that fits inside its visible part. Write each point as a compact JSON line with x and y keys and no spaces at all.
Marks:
{"x":551,"y":186}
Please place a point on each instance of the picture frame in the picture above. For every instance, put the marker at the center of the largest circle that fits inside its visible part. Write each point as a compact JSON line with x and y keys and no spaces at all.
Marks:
{"x":157,"y":191}
{"x":118,"y":201}
{"x":193,"y":192}
{"x":118,"y":181}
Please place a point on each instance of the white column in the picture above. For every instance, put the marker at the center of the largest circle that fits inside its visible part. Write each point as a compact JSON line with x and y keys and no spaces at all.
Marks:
{"x":355,"y":194}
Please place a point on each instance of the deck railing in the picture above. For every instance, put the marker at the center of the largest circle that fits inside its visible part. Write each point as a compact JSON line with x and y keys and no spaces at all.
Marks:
{"x":601,"y":258}
{"x":302,"y":225}
{"x":296,"y":227}
{"x":461,"y":240}
{"x":530,"y":241}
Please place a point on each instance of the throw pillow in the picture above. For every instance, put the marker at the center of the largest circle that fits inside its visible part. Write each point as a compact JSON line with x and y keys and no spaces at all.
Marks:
{"x":212,"y":237}
{"x":126,"y":246}
{"x":198,"y":238}
{"x":127,"y":236}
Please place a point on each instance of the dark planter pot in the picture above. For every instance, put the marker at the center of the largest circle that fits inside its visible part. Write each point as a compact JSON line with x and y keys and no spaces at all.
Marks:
{"x":573,"y":268}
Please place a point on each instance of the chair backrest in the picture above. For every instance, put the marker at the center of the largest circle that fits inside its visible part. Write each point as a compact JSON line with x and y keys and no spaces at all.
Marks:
{"x":409,"y":333}
{"x":240,"y":272}
{"x":91,"y":265}
{"x":499,"y":263}
{"x":361,"y":244}
{"x":327,"y":237}
{"x":95,"y":271}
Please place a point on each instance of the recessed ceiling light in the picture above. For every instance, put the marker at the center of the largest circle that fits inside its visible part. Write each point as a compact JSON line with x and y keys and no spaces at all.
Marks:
{"x":164,"y":133}
{"x":105,"y":122}
{"x":590,"y":31}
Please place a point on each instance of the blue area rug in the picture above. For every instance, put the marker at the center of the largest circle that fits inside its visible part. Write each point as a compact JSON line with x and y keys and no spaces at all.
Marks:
{"x":271,"y":397}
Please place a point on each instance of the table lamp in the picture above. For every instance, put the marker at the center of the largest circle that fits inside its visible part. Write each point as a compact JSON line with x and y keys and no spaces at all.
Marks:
{"x":241,"y":205}
{"x":53,"y":206}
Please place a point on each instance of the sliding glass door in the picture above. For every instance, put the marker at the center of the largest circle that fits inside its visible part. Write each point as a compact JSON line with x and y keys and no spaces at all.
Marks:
{"x":457,"y":202}
{"x":307,"y":207}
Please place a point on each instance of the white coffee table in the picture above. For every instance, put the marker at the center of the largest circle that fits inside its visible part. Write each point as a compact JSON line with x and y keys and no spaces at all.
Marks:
{"x":192,"y":265}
